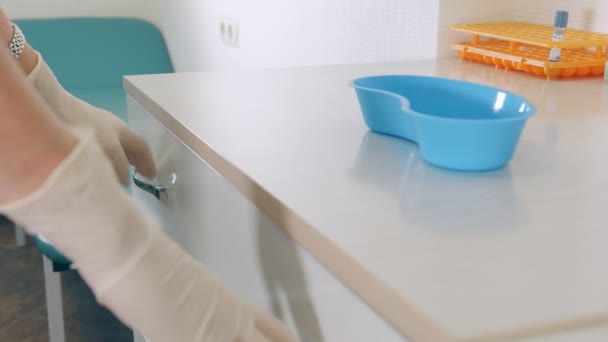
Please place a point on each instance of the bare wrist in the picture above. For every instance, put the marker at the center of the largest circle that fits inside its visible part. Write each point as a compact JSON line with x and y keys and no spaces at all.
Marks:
{"x":6,"y":29}
{"x":28,"y":59}
{"x":6,"y":36}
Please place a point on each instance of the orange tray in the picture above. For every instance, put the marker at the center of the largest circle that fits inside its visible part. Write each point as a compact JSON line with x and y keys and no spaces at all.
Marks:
{"x":526,"y":47}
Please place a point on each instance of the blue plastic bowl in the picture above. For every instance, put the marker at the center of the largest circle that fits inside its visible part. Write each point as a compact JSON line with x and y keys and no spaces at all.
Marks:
{"x":457,"y":125}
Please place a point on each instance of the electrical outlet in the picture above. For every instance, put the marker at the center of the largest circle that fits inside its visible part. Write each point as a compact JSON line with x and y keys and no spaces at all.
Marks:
{"x":229,"y":32}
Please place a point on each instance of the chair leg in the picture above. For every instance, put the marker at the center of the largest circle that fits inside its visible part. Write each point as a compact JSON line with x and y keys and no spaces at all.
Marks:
{"x":138,"y":338}
{"x":54,"y":302}
{"x":20,"y":237}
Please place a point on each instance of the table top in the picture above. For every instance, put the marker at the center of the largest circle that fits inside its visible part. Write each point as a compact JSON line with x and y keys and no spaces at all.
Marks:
{"x":442,"y":255}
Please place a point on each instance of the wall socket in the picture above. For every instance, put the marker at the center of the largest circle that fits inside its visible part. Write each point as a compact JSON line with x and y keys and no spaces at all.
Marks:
{"x":229,"y":32}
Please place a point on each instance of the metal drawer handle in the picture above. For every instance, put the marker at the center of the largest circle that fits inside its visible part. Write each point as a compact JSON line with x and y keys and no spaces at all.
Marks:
{"x":155,"y":190}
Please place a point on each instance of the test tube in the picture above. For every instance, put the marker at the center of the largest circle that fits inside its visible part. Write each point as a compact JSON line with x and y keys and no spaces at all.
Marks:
{"x":559,"y":29}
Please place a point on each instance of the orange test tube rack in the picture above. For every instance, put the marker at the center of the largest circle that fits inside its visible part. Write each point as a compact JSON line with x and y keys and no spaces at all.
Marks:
{"x":526,"y":46}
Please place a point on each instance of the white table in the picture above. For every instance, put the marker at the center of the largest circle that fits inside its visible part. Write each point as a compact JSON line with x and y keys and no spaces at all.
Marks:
{"x":436,"y":255}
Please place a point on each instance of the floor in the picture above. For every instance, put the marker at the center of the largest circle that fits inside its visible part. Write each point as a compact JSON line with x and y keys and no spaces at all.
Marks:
{"x":22,"y":300}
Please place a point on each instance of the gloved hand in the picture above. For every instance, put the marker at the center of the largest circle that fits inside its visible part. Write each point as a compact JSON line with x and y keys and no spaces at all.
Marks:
{"x":129,"y":263}
{"x":121,"y":145}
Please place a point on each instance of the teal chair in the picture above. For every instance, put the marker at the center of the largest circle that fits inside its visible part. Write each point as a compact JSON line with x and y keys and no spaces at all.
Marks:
{"x":90,"y":57}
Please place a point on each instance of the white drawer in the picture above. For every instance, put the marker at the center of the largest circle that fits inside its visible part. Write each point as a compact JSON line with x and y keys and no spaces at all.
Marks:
{"x":217,"y":225}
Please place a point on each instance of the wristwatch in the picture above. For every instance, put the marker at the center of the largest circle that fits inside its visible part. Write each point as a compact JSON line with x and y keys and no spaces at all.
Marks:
{"x":17,"y":44}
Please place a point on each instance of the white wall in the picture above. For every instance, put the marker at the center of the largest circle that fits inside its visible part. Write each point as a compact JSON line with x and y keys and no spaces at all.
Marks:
{"x":18,"y":9}
{"x":277,"y":33}
{"x":468,"y":11}
{"x":280,"y":33}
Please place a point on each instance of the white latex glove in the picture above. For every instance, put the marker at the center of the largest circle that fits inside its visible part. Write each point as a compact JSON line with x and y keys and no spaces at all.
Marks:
{"x":132,"y":267}
{"x":121,"y":144}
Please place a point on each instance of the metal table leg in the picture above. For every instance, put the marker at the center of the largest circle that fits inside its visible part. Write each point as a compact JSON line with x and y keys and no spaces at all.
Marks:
{"x":20,"y":237}
{"x":138,"y":338}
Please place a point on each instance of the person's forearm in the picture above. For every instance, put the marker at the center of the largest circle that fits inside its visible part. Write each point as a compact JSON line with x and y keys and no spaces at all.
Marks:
{"x":29,"y":57}
{"x":6,"y":31}
{"x":121,"y":144}
{"x":32,"y":140}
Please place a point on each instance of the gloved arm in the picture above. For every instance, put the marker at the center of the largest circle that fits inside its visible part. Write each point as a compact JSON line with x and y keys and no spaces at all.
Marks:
{"x":131,"y":266}
{"x":32,"y":140}
{"x":120,"y":144}
{"x":60,"y":185}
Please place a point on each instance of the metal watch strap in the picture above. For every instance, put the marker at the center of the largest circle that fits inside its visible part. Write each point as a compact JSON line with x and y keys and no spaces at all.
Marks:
{"x":17,"y":44}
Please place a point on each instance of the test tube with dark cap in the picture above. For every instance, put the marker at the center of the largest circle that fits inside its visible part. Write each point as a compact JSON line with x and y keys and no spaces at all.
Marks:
{"x":559,"y":29}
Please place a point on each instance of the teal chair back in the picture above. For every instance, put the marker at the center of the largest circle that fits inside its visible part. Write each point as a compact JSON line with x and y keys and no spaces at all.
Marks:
{"x":98,"y":52}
